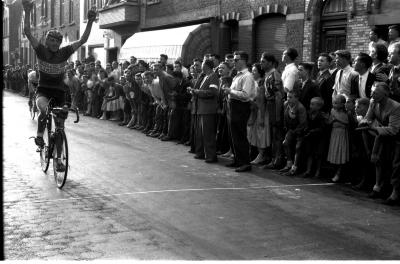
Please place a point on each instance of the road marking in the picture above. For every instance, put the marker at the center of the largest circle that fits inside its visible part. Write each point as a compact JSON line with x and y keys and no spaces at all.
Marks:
{"x":172,"y":191}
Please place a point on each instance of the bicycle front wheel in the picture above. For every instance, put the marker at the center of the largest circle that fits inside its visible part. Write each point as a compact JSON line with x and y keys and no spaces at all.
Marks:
{"x":45,"y":151}
{"x":60,"y":158}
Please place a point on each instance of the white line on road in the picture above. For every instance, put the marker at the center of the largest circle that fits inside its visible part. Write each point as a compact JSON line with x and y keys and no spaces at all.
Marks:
{"x":171,"y":191}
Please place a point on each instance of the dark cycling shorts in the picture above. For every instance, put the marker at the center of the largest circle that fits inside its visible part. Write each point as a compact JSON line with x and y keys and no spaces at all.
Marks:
{"x":60,"y":97}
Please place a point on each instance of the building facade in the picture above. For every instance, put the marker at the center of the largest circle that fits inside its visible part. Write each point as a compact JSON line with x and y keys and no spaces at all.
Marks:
{"x":6,"y":34}
{"x":12,"y":41}
{"x":310,"y":26}
{"x":62,"y":15}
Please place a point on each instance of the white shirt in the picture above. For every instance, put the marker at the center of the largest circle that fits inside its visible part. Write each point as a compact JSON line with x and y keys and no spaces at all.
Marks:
{"x":289,"y":76}
{"x":343,"y":87}
{"x":243,"y":86}
{"x":362,"y":81}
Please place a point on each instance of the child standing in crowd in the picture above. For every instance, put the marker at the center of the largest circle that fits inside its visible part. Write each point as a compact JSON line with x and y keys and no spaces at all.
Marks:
{"x":295,"y":121}
{"x":111,"y":99}
{"x":338,"y":153}
{"x":256,"y":132}
{"x":313,"y":140}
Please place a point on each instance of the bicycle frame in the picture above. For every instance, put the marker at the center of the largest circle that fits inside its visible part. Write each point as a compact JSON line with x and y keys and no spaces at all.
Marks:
{"x":57,"y":147}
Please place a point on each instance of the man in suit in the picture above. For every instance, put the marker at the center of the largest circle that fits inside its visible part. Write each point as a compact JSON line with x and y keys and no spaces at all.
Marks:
{"x":309,"y":88}
{"x":241,"y":92}
{"x":325,"y":81}
{"x":205,"y":92}
{"x":366,"y":79}
{"x":387,"y":114}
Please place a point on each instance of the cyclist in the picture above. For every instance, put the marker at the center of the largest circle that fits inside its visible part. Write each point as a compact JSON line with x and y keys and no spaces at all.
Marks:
{"x":33,"y":80}
{"x":51,"y":63}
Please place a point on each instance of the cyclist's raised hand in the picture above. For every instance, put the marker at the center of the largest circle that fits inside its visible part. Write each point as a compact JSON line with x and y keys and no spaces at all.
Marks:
{"x":92,"y":14}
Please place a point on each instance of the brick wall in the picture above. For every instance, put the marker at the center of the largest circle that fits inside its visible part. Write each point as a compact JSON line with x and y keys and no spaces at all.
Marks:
{"x":358,"y":30}
{"x":246,"y":39}
{"x":295,"y":33}
{"x":245,"y":7}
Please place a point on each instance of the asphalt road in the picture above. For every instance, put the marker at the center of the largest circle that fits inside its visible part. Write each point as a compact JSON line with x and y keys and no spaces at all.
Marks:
{"x":129,"y":196}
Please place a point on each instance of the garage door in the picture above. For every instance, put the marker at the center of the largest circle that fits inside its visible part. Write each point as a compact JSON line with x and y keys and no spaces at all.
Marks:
{"x":271,"y":35}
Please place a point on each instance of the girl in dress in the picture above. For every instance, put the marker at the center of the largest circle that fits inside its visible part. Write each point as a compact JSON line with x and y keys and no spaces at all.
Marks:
{"x":110,"y":100}
{"x":339,"y":153}
{"x":256,"y":132}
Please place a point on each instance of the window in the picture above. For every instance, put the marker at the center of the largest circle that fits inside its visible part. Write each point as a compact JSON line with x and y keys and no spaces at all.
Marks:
{"x":44,"y":9}
{"x":33,"y":16}
{"x":62,"y":3}
{"x":333,"y":25}
{"x":52,"y":19}
{"x":90,"y":3}
{"x":71,"y":11}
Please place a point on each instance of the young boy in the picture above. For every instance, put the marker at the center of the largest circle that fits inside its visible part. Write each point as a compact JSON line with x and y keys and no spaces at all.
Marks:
{"x":313,"y":139}
{"x":295,"y":121}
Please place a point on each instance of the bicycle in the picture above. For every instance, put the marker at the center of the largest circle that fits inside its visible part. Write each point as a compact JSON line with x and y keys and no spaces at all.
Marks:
{"x":57,"y":151}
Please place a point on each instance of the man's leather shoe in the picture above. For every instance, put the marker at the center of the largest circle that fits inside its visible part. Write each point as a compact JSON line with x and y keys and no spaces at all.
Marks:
{"x":375,"y":195}
{"x":166,"y":138}
{"x":187,"y":143}
{"x":391,"y":202}
{"x":155,"y":135}
{"x":232,"y":165}
{"x":191,"y":151}
{"x":243,"y":168}
{"x":199,"y":156}
{"x":214,"y":160}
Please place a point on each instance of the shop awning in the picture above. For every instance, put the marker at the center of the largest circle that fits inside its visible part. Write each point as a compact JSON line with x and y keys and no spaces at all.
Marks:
{"x":149,"y":45}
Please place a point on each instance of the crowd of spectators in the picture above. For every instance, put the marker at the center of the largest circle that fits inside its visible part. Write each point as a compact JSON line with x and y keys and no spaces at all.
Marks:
{"x":337,"y":118}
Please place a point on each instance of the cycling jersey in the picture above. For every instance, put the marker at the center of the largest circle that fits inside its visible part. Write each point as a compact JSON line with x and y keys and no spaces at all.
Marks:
{"x":52,"y":66}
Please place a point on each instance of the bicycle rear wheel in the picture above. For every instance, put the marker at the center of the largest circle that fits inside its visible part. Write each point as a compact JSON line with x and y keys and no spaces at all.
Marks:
{"x":45,"y":151}
{"x":60,"y":175}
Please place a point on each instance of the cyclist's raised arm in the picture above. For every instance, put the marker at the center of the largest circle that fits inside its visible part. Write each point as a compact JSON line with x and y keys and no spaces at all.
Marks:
{"x":92,"y":13}
{"x":28,"y":5}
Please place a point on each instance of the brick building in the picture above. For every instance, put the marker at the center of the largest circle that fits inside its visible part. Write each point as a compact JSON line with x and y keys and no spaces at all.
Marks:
{"x":6,"y":34}
{"x":12,"y":13}
{"x":311,"y":26}
{"x":334,"y":24}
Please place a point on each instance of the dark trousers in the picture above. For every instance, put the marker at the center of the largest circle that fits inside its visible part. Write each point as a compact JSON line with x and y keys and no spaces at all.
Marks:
{"x":158,"y":119}
{"x":174,"y":123}
{"x":206,"y":136}
{"x":185,"y":125}
{"x":395,"y":179}
{"x":143,"y":112}
{"x":239,"y":115}
{"x":193,"y":125}
{"x":223,"y":138}
{"x":150,"y":116}
{"x":165,"y":120}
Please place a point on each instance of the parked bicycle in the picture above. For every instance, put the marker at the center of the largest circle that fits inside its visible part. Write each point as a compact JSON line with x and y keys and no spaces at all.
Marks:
{"x":55,"y":142}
